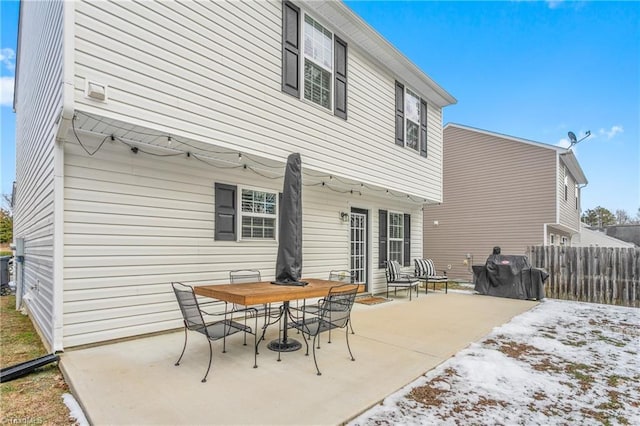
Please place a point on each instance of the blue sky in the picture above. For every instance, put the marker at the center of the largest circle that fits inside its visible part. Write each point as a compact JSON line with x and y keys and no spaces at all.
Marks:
{"x":533,"y":70}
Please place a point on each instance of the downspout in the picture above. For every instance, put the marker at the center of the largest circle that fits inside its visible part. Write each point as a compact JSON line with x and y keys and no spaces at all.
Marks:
{"x":64,"y":123}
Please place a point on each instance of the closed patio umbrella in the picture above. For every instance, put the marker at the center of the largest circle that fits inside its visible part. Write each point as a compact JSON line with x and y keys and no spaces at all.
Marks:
{"x":289,"y":260}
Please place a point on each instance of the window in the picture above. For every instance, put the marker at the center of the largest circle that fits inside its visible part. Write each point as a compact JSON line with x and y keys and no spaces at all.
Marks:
{"x":577,"y":194}
{"x":412,"y":117}
{"x":318,"y":63}
{"x":322,"y":59}
{"x":411,"y":120}
{"x":258,"y":214}
{"x":552,"y":239}
{"x":566,"y":188}
{"x":396,"y":236}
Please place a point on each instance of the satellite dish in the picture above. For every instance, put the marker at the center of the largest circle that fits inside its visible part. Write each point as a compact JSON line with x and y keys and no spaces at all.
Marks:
{"x":572,"y":138}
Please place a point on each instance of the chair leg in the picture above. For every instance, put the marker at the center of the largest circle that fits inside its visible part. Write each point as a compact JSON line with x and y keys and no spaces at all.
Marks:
{"x":349,"y":346}
{"x":204,"y":379}
{"x":183,"y":347}
{"x":350,"y":325}
{"x":314,"y":354}
{"x":255,"y":343}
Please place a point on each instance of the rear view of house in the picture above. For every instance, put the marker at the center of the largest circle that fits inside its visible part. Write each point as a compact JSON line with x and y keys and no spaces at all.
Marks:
{"x":151,"y":142}
{"x":502,"y":191}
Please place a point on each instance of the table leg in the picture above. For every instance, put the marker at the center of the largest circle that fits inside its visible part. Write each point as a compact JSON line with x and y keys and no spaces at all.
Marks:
{"x":284,"y":344}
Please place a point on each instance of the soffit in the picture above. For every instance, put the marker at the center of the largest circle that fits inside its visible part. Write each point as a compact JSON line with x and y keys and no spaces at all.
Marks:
{"x":356,"y":30}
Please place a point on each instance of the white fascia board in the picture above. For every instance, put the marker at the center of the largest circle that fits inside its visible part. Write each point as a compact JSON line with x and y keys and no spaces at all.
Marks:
{"x":355,"y":30}
{"x":570,"y":160}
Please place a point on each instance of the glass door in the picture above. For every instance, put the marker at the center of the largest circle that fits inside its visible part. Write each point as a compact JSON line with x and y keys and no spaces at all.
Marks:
{"x":359,"y":255}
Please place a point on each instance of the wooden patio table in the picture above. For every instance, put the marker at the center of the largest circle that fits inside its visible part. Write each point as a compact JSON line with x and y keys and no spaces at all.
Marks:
{"x":259,"y":293}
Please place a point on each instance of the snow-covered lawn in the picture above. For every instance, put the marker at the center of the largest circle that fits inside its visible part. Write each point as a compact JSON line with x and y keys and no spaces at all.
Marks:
{"x":560,"y":363}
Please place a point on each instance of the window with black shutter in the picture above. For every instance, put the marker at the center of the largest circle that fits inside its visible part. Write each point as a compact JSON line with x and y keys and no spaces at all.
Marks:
{"x":382,"y":238}
{"x":309,"y":46}
{"x":423,"y":128}
{"x":340,"y":74}
{"x":290,"y":49}
{"x":225,"y":215}
{"x":399,"y":114}
{"x":411,"y":120}
{"x":394,"y":238}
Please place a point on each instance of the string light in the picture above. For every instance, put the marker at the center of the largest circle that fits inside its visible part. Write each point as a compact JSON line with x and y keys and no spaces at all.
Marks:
{"x":136,"y":147}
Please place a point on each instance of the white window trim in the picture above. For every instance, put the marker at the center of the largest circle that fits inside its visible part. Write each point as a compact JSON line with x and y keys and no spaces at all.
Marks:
{"x":389,"y":239}
{"x":408,"y":89}
{"x":303,"y":57}
{"x":240,"y":214}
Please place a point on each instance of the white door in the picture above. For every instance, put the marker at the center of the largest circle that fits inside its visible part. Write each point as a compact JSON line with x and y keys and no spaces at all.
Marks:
{"x":359,"y":255}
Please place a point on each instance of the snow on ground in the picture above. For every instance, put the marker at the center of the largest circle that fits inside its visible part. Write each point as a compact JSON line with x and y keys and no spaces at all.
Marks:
{"x":560,"y":363}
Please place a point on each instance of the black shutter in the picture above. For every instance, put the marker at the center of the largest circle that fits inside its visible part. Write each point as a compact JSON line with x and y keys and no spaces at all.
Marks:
{"x":407,"y":240}
{"x":423,"y":128}
{"x":399,"y":114}
{"x":382,"y":238}
{"x":340,"y":75}
{"x":290,"y":49}
{"x":225,"y":212}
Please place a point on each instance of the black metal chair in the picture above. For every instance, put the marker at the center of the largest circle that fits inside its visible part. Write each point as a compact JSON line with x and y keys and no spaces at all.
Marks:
{"x":396,"y":278}
{"x":342,"y":275}
{"x":192,"y":315}
{"x":334,"y":312}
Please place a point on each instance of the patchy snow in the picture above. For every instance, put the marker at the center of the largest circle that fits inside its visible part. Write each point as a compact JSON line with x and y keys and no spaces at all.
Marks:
{"x":561,"y":362}
{"x":75,"y":411}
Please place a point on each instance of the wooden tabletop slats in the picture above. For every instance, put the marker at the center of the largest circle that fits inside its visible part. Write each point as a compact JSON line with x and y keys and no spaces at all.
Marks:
{"x":264,"y":292}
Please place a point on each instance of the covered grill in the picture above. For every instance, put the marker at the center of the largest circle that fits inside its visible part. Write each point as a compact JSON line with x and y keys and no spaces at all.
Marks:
{"x":509,"y":276}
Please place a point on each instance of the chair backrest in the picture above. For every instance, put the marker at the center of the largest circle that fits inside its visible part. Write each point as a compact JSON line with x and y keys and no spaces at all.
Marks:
{"x":336,"y":307}
{"x":424,"y":267}
{"x":344,"y":276}
{"x":244,"y":276}
{"x":392,"y":271}
{"x":189,"y":307}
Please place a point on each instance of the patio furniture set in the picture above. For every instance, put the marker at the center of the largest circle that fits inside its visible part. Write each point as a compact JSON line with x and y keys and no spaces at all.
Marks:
{"x":237,"y":306}
{"x":425,"y":272}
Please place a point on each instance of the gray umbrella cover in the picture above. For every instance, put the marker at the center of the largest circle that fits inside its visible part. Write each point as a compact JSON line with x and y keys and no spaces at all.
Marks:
{"x":289,"y":260}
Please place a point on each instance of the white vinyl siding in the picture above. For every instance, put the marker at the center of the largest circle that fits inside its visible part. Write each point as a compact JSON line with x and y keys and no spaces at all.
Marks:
{"x":39,"y":99}
{"x":212,"y":71}
{"x":131,"y":229}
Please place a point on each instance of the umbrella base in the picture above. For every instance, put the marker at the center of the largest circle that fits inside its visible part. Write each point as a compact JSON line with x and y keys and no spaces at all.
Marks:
{"x":288,"y":345}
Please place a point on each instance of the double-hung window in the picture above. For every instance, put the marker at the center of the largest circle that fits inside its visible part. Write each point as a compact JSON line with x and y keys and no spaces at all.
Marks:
{"x":314,"y":61}
{"x":258,"y":214}
{"x":396,"y":237}
{"x":318,"y":63}
{"x":411,"y":120}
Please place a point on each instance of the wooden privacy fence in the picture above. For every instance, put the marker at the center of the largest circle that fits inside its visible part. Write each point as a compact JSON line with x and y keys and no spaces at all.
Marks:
{"x":590,"y":274}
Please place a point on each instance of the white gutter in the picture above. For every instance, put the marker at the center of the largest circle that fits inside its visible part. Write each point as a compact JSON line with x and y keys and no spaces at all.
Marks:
{"x":63,"y":122}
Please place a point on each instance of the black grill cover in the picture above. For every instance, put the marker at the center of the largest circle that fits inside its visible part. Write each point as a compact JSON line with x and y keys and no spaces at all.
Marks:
{"x":509,"y":276}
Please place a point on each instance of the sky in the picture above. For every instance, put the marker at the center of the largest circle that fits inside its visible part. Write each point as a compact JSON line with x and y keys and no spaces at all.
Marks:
{"x":543,"y":367}
{"x":529,"y":69}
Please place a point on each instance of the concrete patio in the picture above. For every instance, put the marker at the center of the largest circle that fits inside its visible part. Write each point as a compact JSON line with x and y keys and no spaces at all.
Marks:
{"x":136,"y":382}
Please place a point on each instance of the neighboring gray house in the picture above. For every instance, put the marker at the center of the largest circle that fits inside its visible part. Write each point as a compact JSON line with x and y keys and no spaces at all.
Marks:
{"x":588,"y":237}
{"x":502,"y":191}
{"x":151,"y":142}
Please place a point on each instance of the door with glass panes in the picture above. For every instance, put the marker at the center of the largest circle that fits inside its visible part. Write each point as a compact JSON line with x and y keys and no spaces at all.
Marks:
{"x":359,"y":220}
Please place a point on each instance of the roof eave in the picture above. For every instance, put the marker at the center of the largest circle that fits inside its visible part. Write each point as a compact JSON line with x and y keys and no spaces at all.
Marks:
{"x":357,"y":31}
